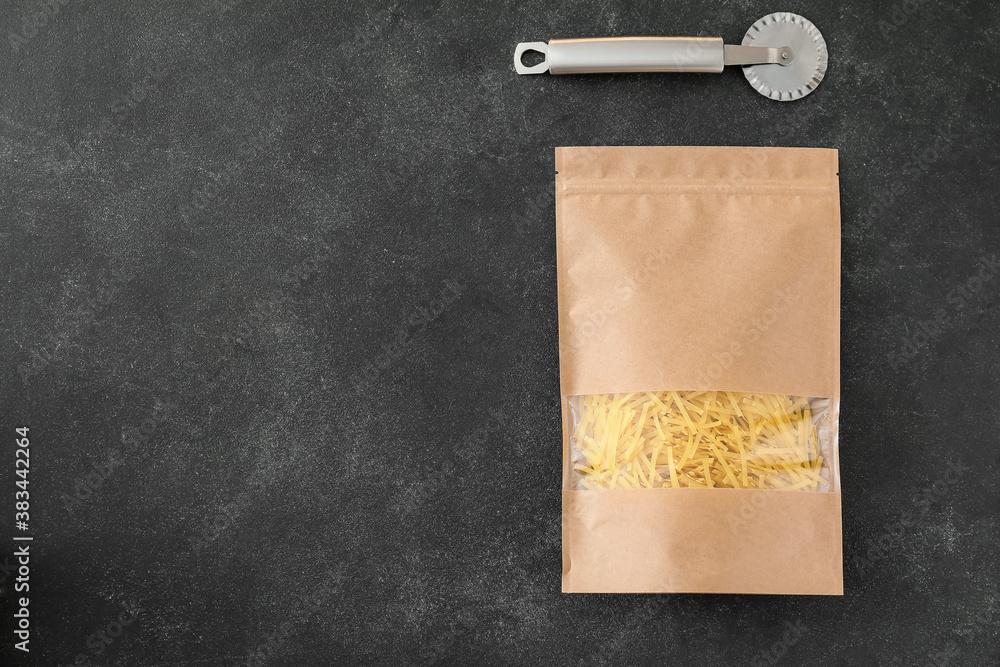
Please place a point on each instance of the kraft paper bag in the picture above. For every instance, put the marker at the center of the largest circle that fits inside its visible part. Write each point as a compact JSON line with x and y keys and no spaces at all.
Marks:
{"x":699,"y":343}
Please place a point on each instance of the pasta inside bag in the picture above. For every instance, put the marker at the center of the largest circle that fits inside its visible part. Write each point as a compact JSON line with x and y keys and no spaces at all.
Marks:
{"x":701,"y":439}
{"x":699,"y":317}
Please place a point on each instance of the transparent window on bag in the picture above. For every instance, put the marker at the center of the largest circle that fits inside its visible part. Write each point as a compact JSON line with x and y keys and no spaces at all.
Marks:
{"x":703,"y":439}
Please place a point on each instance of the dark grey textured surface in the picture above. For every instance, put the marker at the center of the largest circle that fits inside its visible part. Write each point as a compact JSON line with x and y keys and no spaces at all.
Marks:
{"x":308,"y":247}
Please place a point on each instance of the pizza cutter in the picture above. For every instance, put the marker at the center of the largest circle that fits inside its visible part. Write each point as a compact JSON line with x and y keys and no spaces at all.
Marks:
{"x":783,"y":56}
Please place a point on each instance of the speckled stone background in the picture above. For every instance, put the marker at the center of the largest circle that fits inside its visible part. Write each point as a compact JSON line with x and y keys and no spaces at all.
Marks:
{"x":279,"y":308}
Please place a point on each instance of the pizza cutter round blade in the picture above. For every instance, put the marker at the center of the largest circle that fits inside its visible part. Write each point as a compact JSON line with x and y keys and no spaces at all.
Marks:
{"x":783,"y":55}
{"x":801,"y":76}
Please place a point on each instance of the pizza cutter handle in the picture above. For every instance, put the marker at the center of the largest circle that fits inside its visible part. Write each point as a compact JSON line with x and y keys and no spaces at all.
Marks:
{"x":624,"y":54}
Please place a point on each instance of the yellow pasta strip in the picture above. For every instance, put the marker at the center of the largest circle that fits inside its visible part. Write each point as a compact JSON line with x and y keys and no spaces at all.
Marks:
{"x":673,"y":470}
{"x":652,"y":465}
{"x":638,"y":431}
{"x":729,"y":471}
